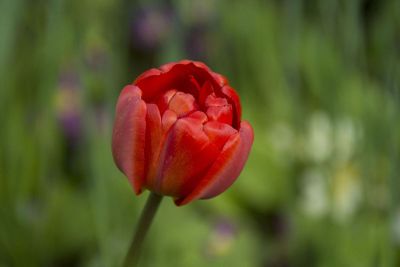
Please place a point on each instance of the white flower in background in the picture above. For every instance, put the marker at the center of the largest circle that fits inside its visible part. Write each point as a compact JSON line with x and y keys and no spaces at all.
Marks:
{"x":314,"y":200}
{"x":346,"y":193}
{"x":345,"y":137}
{"x":319,"y":137}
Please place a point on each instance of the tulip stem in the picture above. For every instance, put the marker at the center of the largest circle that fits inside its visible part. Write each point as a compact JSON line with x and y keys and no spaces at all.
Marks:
{"x":146,"y":218}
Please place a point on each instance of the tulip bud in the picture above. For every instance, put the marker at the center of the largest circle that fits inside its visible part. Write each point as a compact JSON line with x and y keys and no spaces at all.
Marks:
{"x":178,"y":132}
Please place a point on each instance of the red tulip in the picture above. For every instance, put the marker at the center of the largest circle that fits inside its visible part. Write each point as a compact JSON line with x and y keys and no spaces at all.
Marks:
{"x":178,"y":132}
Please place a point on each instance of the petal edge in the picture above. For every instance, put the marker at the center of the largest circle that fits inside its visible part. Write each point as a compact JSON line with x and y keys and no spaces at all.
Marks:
{"x":226,"y":167}
{"x":128,"y":139}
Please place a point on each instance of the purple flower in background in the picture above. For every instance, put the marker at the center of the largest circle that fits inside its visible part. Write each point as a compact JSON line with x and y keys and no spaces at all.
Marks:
{"x":68,"y":104}
{"x":150,"y":26}
{"x":221,"y":239}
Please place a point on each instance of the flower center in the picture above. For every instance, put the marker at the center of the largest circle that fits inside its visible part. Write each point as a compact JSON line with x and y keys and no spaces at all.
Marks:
{"x":218,"y":109}
{"x":182,"y":104}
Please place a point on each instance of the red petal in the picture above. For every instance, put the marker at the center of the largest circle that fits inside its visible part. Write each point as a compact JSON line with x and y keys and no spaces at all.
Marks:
{"x":128,"y":141}
{"x":187,"y":154}
{"x":148,"y":73}
{"x":168,"y":66}
{"x":200,"y":116}
{"x":226,"y":168}
{"x":218,"y":132}
{"x":163,"y":101}
{"x":174,"y":75}
{"x":221,"y":114}
{"x":168,"y":119}
{"x":154,"y":135}
{"x":194,"y":82}
{"x":221,"y":80}
{"x":213,"y":101}
{"x":200,"y":65}
{"x":218,"y":109}
{"x":234,"y":100}
{"x":205,"y":91}
{"x":182,"y":104}
{"x":186,"y":62}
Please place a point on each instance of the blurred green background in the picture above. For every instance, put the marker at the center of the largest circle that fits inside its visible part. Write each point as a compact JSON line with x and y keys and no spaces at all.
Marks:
{"x":319,"y":81}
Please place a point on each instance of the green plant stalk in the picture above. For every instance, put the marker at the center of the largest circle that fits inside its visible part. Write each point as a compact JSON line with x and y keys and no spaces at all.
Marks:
{"x":146,"y":218}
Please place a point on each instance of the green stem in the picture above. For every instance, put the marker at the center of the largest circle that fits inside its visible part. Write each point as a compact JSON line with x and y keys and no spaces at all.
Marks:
{"x":146,"y":218}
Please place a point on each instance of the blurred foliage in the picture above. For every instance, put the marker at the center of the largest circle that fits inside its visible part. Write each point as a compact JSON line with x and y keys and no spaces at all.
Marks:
{"x":319,"y":81}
